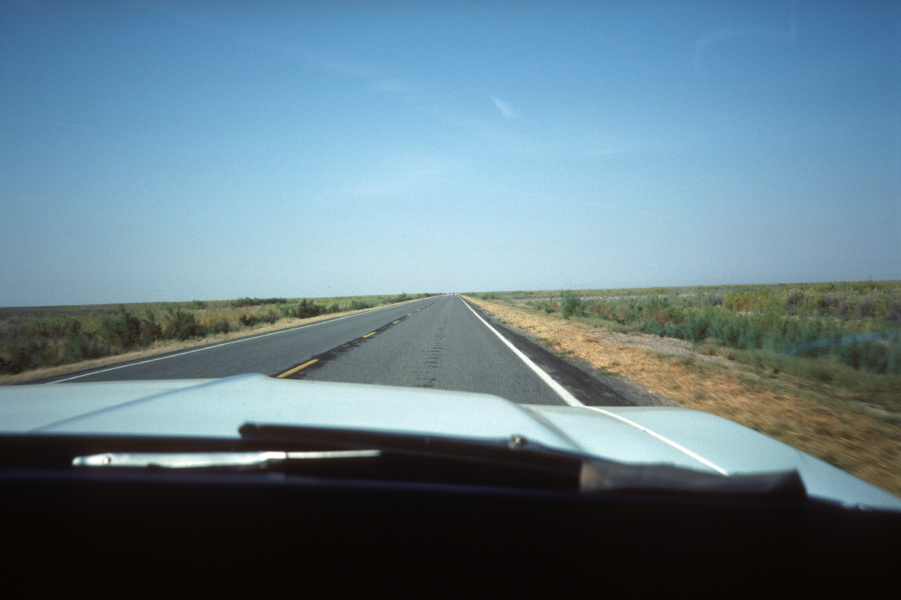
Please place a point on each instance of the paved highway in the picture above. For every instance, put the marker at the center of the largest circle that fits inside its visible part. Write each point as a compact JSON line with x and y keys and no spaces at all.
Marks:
{"x":440,"y":342}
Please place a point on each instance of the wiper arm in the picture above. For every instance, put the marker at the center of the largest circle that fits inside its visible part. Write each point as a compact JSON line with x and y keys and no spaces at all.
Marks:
{"x":206,"y":460}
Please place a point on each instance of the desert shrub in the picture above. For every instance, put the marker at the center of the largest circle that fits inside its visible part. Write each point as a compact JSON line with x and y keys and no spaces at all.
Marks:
{"x":866,"y":308}
{"x":81,"y":345}
{"x":182,"y":325}
{"x":151,"y":331}
{"x":571,"y":305}
{"x":302,"y":310}
{"x":714,"y":299}
{"x":796,"y":303}
{"x":28,"y":353}
{"x":359,"y":305}
{"x":245,"y":302}
{"x":22,"y":356}
{"x":94,"y":347}
{"x":121,"y":329}
{"x":219,"y":326}
{"x":545,"y":306}
{"x":893,"y":314}
{"x":829,"y":304}
{"x":249,"y":319}
{"x":696,"y":327}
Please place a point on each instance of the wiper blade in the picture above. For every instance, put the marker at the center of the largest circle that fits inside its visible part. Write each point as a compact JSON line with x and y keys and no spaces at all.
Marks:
{"x":600,"y":476}
{"x":521,"y":462}
{"x":502,"y":462}
{"x":364,"y":438}
{"x":207,"y":460}
{"x":403,"y":457}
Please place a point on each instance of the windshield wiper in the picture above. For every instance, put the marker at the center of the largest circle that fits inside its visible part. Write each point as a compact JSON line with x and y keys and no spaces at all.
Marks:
{"x":508,"y":462}
{"x":521,"y":462}
{"x":416,"y":458}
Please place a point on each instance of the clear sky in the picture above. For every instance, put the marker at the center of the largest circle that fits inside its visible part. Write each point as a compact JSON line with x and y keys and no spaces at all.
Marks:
{"x":154,"y":151}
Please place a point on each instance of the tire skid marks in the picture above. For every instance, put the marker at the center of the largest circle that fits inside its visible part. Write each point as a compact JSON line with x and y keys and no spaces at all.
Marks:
{"x":426,"y":375}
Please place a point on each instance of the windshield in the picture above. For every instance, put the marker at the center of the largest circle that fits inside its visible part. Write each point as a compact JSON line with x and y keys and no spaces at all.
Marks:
{"x":591,"y":205}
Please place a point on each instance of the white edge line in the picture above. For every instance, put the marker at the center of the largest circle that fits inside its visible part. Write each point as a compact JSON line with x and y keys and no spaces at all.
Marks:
{"x":572,"y":401}
{"x":244,"y":339}
{"x":561,"y":391}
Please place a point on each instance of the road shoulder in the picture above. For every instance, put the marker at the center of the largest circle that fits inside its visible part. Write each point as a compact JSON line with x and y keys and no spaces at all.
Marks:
{"x":590,"y":386}
{"x":822,"y":425}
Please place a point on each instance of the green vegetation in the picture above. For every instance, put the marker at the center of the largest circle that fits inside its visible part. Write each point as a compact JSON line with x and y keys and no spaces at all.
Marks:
{"x":38,"y":337}
{"x":846,"y":334}
{"x":571,"y":305}
{"x":256,"y":301}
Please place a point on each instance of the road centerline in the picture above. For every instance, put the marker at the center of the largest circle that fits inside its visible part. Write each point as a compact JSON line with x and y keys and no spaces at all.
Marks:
{"x":298,"y":368}
{"x":319,"y":359}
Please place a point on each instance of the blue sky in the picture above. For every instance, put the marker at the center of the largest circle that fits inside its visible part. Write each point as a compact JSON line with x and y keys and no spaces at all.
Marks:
{"x":157,"y":151}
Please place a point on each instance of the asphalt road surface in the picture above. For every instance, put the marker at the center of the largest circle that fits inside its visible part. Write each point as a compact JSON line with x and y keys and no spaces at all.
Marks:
{"x":440,"y":342}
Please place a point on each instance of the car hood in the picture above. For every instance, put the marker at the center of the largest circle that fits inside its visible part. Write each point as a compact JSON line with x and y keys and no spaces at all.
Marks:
{"x":218,"y":407}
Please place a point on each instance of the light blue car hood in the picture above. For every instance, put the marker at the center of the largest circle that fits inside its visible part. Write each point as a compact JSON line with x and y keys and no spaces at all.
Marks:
{"x":218,"y":407}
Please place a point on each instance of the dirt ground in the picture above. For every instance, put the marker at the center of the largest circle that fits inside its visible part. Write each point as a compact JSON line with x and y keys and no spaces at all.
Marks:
{"x":850,"y":435}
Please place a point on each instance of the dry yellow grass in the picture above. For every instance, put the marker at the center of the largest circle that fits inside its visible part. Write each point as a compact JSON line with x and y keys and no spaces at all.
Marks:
{"x":851,"y":436}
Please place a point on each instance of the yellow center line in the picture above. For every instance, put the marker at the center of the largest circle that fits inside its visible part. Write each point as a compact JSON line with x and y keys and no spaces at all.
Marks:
{"x":368,"y":334}
{"x":396,"y":322}
{"x":296,"y":369}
